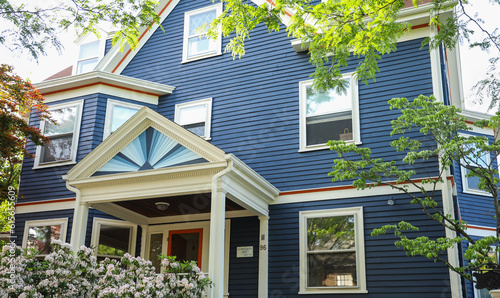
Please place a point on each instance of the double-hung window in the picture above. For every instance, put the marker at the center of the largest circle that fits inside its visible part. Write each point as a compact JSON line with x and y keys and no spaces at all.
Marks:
{"x":197,"y":45}
{"x":39,"y":234}
{"x":195,"y":116}
{"x":63,"y":136}
{"x":88,"y":56}
{"x":328,"y":115}
{"x":332,"y":251}
{"x":117,"y":113}
{"x":471,"y":184}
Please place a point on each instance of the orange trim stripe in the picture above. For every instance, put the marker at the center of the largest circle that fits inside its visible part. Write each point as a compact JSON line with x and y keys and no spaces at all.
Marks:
{"x":481,"y":228}
{"x":294,"y":192}
{"x":140,"y":37}
{"x":45,"y":202}
{"x":101,"y":83}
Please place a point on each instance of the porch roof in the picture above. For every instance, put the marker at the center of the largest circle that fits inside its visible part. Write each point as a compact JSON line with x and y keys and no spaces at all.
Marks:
{"x":215,"y":169}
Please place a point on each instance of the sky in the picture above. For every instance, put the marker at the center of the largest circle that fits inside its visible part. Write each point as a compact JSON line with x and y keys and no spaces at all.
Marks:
{"x":474,"y":62}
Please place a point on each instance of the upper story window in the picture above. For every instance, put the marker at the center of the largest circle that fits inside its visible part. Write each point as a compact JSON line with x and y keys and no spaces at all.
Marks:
{"x":196,"y":44}
{"x":39,"y":234}
{"x":117,"y":113}
{"x":195,"y":116}
{"x":332,"y":251}
{"x":88,"y":56}
{"x":63,"y":135}
{"x":328,"y":115}
{"x":471,"y":184}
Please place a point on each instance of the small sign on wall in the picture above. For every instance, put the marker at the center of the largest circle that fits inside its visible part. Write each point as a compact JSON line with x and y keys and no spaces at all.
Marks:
{"x":244,"y":251}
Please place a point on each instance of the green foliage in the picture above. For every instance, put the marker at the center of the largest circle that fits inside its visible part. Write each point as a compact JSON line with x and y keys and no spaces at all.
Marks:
{"x":427,"y":129}
{"x":336,"y":30}
{"x":33,"y":26}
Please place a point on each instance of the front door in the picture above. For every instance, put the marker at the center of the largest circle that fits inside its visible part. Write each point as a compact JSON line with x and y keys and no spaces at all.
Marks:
{"x":185,"y":245}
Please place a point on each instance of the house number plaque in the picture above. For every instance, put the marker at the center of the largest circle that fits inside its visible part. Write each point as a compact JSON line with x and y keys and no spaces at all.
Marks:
{"x":244,"y":252}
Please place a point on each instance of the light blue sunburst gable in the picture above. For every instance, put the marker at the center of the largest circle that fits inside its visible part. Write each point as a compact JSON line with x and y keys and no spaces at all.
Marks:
{"x":150,"y":150}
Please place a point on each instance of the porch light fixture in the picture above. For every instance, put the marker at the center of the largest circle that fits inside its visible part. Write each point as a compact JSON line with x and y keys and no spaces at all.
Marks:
{"x":162,"y":206}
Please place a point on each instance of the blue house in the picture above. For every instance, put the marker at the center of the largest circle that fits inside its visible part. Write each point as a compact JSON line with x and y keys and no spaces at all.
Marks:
{"x":175,"y":148}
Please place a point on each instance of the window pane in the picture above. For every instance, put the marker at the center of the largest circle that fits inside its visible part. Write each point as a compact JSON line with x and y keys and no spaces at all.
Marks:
{"x":193,"y":114}
{"x":155,"y":248}
{"x":200,"y":45}
{"x":89,"y":50}
{"x":198,"y":23}
{"x":196,"y":128}
{"x":39,"y":238}
{"x":330,"y":233}
{"x":472,"y":182}
{"x":113,"y":241}
{"x":329,"y":101}
{"x":65,"y":119}
{"x":87,"y":65}
{"x":484,"y":293}
{"x":332,"y":270}
{"x":120,"y":116}
{"x":321,"y":129}
{"x":58,"y":149}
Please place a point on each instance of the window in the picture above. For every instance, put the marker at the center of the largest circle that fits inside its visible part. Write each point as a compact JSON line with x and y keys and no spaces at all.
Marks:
{"x":471,"y":184}
{"x":117,"y":113}
{"x":332,"y":251}
{"x":88,"y":56}
{"x":63,"y":135}
{"x":195,"y":116}
{"x":113,"y":238}
{"x":196,"y":44}
{"x":328,"y":115}
{"x":39,"y":234}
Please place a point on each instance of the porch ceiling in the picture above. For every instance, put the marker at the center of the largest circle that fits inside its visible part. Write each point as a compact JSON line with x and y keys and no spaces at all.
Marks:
{"x":179,"y":205}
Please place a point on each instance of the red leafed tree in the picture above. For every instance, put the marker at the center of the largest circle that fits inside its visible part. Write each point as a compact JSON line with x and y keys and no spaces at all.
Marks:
{"x":18,"y":98}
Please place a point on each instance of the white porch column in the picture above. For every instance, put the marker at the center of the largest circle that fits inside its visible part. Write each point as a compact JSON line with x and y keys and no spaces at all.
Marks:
{"x":216,"y":244}
{"x":144,"y":239}
{"x":263,"y":256}
{"x":79,"y":229}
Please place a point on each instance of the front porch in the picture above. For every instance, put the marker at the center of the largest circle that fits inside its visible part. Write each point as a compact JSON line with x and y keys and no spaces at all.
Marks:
{"x":203,"y":186}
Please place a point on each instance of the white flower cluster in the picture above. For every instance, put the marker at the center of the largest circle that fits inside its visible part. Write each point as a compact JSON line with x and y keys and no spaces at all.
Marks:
{"x":64,"y":273}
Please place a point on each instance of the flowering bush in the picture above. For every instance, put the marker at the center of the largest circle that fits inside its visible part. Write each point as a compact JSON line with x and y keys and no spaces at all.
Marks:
{"x":64,"y":273}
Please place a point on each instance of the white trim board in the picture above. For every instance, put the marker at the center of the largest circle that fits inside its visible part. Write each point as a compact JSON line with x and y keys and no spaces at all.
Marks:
{"x":318,"y":195}
{"x":104,"y":82}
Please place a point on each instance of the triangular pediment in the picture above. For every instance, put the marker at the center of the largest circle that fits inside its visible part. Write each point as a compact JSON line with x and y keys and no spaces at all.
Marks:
{"x":146,"y":142}
{"x":150,"y":150}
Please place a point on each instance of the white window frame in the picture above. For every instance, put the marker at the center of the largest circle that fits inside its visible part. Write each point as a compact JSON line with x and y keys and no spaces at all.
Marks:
{"x":76,"y":136}
{"x":42,"y":223}
{"x":357,"y":212}
{"x":465,"y":182}
{"x":108,"y":120}
{"x":218,"y":42}
{"x":303,"y":114}
{"x":208,"y":105}
{"x":102,"y":48}
{"x":96,"y":232}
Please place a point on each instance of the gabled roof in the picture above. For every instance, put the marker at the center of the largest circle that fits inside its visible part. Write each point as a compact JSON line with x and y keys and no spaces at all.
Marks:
{"x":117,"y":59}
{"x":97,"y":163}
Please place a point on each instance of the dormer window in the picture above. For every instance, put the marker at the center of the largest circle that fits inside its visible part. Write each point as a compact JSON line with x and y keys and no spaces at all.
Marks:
{"x":88,"y":56}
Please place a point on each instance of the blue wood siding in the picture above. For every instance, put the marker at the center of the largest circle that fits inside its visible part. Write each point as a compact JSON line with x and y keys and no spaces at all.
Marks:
{"x":244,"y":272}
{"x":255,"y":111}
{"x":46,"y":183}
{"x":389,"y":271}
